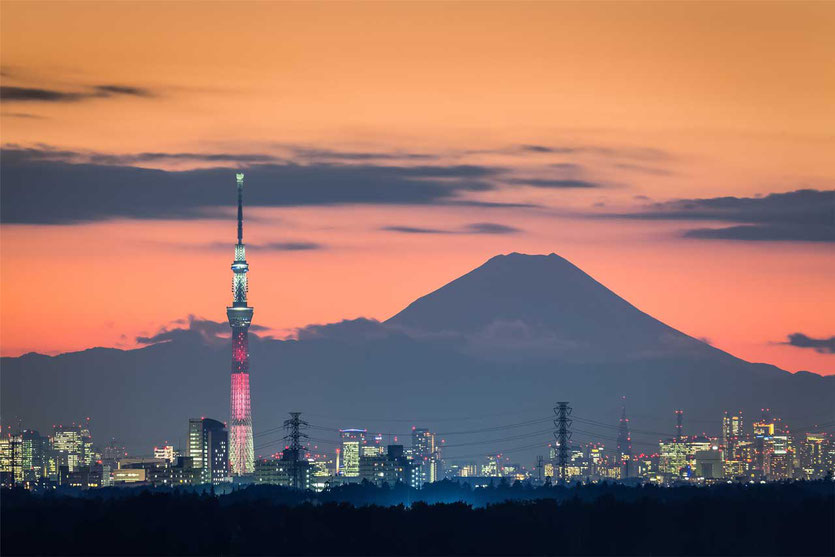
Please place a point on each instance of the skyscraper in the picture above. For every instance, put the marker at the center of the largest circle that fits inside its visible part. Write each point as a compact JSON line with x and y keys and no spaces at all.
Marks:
{"x":241,"y":452}
{"x":352,"y":442}
{"x":624,"y":445}
{"x":70,"y":445}
{"x":208,"y":449}
{"x":426,"y":455}
{"x":731,"y":432}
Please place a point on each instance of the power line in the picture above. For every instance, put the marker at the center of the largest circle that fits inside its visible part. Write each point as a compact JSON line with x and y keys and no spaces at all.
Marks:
{"x":429,"y":420}
{"x":274,"y":430}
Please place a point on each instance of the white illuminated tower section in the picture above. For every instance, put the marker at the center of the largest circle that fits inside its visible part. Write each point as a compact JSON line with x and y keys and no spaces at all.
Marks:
{"x":241,"y":453}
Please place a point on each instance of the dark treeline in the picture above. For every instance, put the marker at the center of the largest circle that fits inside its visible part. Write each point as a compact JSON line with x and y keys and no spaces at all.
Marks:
{"x":444,"y":519}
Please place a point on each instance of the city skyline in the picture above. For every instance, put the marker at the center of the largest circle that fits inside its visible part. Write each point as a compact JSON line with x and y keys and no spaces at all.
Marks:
{"x":553,"y":149}
{"x":759,"y":448}
{"x":507,"y":315}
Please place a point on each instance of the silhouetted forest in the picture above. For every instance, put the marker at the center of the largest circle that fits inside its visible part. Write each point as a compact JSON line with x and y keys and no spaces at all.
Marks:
{"x":445,"y":519}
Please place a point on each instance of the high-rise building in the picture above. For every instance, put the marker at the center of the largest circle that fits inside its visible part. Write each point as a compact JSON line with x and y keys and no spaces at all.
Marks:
{"x":680,"y":425}
{"x":731,"y":431}
{"x":624,"y":444}
{"x":672,"y":458}
{"x":710,"y":463}
{"x":491,"y":467}
{"x":34,"y":455}
{"x":390,"y":468}
{"x":112,"y":453}
{"x":208,"y":446}
{"x":373,"y":446}
{"x":764,"y":431}
{"x":284,"y":472}
{"x":72,"y":446}
{"x":171,"y":474}
{"x":427,"y":455}
{"x":88,"y":455}
{"x":816,"y":454}
{"x":322,"y":469}
{"x":241,"y":450}
{"x":24,"y":456}
{"x":352,"y":442}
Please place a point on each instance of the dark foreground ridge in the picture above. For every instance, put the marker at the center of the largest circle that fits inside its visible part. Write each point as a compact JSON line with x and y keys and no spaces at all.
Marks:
{"x":446,"y":519}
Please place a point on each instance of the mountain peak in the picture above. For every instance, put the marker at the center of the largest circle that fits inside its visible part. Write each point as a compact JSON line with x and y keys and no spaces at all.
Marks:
{"x":521,"y":263}
{"x":547,"y":295}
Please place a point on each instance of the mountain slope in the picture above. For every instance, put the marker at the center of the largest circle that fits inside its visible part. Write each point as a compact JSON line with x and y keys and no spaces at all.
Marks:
{"x":546,"y":301}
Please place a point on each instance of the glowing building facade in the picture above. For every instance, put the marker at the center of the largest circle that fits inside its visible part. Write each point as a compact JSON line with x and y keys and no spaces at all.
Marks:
{"x":241,"y":452}
{"x":427,"y":455}
{"x":352,"y":442}
{"x":208,"y":450}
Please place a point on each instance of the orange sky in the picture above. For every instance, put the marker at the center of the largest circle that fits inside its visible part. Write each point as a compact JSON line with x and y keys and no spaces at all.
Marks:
{"x":738,"y":96}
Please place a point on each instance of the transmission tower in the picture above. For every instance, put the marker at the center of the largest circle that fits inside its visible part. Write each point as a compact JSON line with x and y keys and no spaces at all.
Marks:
{"x":539,"y":468}
{"x":294,"y":436}
{"x":562,"y":435}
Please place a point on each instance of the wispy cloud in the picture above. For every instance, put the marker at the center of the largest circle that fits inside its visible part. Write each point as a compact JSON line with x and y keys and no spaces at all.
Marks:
{"x":25,"y":115}
{"x":643,"y":169}
{"x":288,"y":245}
{"x":557,"y":183}
{"x":806,"y":232}
{"x":472,"y":228}
{"x":316,"y":154}
{"x":415,"y":230}
{"x":636,"y":153}
{"x":490,"y":228}
{"x":10,"y":93}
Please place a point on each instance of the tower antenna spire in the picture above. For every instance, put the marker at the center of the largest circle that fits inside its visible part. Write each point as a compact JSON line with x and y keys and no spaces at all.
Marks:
{"x":240,"y":178}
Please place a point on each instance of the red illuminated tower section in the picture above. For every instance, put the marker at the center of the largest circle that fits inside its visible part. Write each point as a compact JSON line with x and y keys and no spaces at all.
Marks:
{"x":241,"y":453}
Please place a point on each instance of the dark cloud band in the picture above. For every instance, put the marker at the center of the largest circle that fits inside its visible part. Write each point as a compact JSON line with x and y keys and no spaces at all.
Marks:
{"x":822,"y":345}
{"x":798,"y":216}
{"x":37,"y":94}
{"x":37,"y":188}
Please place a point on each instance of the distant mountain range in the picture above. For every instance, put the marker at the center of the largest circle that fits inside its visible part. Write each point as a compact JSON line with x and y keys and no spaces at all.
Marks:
{"x":493,"y":348}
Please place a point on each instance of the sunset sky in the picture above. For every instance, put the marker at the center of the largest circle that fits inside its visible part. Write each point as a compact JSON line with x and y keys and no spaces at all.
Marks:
{"x":391,"y":147}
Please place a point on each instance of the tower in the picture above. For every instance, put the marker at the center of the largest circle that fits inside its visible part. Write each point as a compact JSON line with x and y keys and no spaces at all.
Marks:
{"x":241,"y":452}
{"x":562,"y":435}
{"x":295,"y":450}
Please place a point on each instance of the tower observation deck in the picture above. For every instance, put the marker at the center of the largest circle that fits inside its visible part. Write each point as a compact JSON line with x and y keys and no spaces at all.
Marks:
{"x":241,"y":452}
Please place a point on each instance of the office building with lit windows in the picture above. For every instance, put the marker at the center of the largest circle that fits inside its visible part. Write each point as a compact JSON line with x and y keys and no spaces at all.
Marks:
{"x":427,"y":455}
{"x":390,"y":468}
{"x":352,"y":441}
{"x":208,"y":447}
